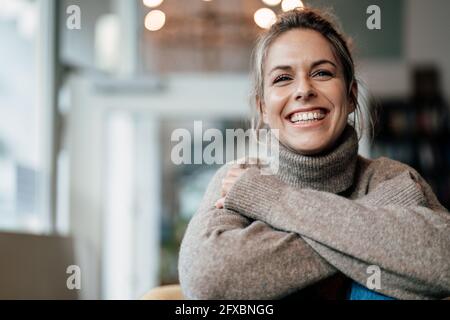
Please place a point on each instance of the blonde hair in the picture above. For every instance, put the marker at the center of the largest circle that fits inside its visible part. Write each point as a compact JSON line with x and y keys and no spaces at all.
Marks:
{"x":313,"y":19}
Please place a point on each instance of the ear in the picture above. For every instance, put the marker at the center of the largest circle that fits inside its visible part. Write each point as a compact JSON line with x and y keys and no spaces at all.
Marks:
{"x":354,"y":92}
{"x":262,"y":109}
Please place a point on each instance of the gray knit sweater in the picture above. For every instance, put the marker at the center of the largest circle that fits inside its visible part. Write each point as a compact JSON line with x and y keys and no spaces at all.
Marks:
{"x":318,"y":216}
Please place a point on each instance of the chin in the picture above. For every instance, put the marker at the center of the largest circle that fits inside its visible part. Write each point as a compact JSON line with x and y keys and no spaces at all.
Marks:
{"x":309,"y":142}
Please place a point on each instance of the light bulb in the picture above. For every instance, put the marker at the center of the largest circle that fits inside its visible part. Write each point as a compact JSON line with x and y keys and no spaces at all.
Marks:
{"x":152,"y":3}
{"x":155,"y":20}
{"x":272,"y":2}
{"x":288,"y":5}
{"x":264,"y":18}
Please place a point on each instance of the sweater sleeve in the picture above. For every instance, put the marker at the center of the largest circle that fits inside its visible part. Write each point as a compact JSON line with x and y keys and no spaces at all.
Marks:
{"x":399,"y":227}
{"x":224,"y":255}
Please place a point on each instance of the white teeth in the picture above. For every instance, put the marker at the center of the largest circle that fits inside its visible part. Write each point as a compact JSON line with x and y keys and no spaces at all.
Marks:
{"x":306,"y":116}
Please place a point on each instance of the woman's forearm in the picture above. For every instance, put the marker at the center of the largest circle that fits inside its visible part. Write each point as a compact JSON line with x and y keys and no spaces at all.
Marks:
{"x":408,"y":241}
{"x":227,"y":256}
{"x":238,"y":259}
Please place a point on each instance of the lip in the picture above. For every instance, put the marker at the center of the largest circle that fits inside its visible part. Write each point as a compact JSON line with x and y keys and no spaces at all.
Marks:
{"x":305,"y":109}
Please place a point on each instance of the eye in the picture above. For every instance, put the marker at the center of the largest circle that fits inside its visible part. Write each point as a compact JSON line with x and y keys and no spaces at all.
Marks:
{"x":283,"y":77}
{"x":323,"y":74}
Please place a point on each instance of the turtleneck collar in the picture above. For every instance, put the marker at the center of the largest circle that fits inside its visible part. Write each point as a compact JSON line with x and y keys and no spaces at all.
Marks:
{"x":331,"y":172}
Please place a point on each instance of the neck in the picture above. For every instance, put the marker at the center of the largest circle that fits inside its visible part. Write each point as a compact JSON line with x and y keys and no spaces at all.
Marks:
{"x":332,"y":171}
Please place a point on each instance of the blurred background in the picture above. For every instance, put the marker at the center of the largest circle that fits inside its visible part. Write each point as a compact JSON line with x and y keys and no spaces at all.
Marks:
{"x":91,"y":91}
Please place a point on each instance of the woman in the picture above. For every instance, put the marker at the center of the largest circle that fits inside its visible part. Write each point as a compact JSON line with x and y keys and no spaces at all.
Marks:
{"x":327,"y":217}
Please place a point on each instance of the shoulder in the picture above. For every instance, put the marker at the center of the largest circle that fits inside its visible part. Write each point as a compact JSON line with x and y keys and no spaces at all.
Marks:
{"x":242,"y":162}
{"x":376,"y":171}
{"x":214,"y":187}
{"x":215,"y":183}
{"x":223,"y":169}
{"x":383,"y":167}
{"x":389,"y":167}
{"x":216,"y":180}
{"x":372,"y":172}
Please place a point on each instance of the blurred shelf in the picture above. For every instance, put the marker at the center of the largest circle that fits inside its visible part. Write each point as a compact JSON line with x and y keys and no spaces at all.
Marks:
{"x":416,"y":131}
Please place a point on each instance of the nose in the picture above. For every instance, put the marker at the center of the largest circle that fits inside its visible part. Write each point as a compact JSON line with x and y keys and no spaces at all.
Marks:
{"x":305,"y":91}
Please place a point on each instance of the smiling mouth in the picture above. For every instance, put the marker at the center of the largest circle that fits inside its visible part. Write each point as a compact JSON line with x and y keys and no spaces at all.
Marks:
{"x":310,"y":116}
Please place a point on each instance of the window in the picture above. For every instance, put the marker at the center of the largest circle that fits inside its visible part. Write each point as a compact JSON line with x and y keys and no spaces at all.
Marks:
{"x":22,"y":159}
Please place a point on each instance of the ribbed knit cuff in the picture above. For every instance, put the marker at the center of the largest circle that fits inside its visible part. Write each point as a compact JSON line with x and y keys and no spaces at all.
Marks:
{"x":401,"y":190}
{"x":253,"y":193}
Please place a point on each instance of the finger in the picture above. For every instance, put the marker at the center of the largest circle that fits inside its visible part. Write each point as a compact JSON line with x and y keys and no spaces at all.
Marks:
{"x":235,"y":172}
{"x":227,"y":183}
{"x":226,"y":188}
{"x":224,"y":191}
{"x":220,"y":203}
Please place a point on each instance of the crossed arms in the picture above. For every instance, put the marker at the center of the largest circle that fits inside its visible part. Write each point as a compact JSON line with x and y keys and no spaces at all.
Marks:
{"x":271,"y":239}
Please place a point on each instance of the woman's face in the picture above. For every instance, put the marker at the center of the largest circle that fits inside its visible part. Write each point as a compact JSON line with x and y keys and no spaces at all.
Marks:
{"x":305,"y":94}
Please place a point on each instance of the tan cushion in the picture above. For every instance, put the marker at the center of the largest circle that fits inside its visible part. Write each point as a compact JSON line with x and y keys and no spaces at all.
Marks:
{"x":168,"y":292}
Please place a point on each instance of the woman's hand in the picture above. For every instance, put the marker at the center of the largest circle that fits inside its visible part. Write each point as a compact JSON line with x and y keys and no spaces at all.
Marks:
{"x":233,"y":174}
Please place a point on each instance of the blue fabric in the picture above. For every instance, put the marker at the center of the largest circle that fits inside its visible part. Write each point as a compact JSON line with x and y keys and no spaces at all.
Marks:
{"x":359,"y":292}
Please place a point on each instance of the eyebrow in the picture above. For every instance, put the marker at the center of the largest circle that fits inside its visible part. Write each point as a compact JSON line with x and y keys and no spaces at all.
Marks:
{"x":314,"y":64}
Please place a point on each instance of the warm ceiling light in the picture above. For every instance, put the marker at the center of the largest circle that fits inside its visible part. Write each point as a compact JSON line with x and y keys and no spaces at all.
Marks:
{"x":265,"y":17}
{"x":155,"y":20}
{"x":152,"y":3}
{"x":288,"y":5}
{"x":272,"y":2}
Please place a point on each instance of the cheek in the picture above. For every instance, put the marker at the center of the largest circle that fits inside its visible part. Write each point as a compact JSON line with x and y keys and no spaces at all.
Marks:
{"x":275,"y":100}
{"x":338,"y":98}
